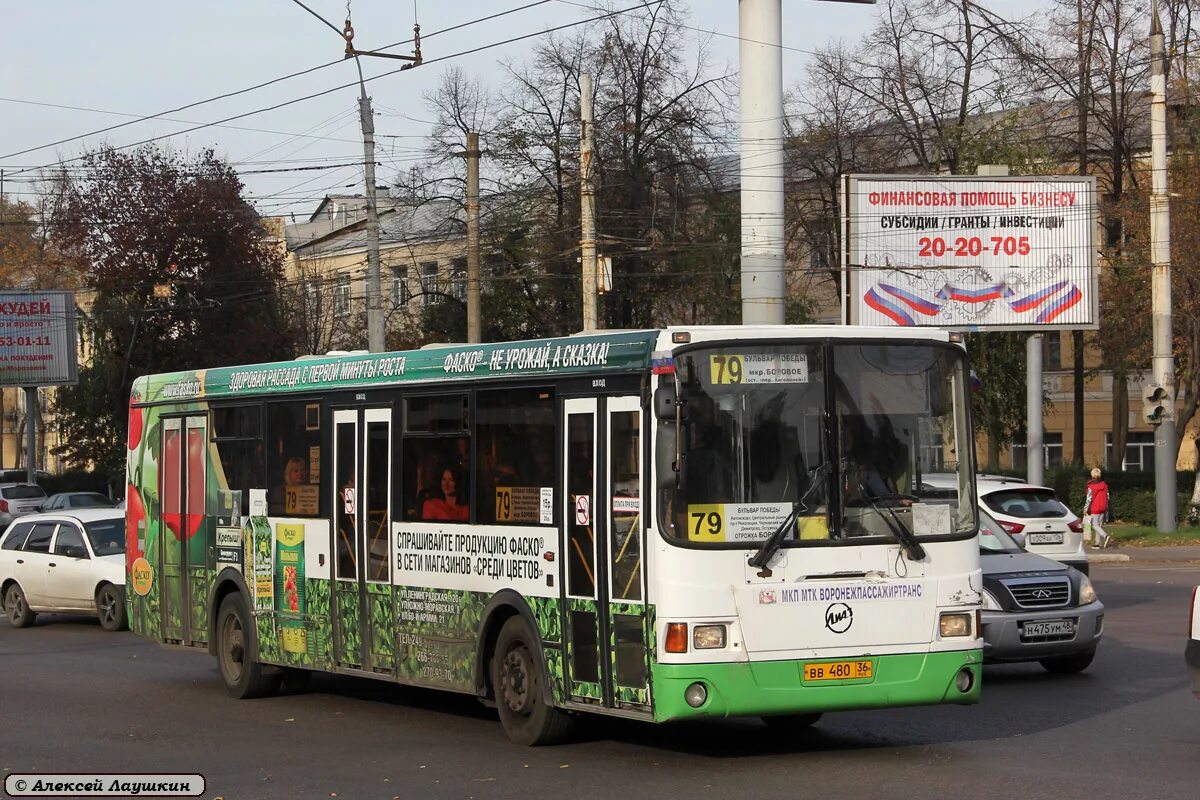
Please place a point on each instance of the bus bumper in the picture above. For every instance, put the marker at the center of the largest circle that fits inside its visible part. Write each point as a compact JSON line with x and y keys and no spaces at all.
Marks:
{"x":768,"y":688}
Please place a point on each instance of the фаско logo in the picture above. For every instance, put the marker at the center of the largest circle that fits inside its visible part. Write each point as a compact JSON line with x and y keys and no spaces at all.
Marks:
{"x":839,"y":617}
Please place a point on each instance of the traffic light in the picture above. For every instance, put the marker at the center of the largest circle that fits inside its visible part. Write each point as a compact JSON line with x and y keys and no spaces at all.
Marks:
{"x":1156,"y":404}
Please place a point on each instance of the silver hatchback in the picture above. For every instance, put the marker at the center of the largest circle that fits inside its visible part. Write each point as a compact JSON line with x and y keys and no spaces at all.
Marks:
{"x":19,"y":499}
{"x":1035,"y":608}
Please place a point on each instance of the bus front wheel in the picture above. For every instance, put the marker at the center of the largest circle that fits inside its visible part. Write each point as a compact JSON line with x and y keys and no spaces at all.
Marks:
{"x":237,"y":655}
{"x":517,"y":683}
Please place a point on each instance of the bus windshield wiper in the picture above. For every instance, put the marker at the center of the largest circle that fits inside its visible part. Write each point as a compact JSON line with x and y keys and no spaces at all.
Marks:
{"x":772,"y":543}
{"x":906,"y":538}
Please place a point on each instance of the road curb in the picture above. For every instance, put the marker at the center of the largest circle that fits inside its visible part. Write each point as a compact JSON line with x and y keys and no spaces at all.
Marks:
{"x":1106,"y":557}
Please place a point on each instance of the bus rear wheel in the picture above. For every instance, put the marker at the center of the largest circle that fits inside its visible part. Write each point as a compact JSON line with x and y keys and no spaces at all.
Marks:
{"x":517,"y":682}
{"x":237,"y":652}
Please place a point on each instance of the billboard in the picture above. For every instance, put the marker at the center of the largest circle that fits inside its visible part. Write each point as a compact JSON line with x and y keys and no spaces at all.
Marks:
{"x":970,"y":253}
{"x":37,"y":339}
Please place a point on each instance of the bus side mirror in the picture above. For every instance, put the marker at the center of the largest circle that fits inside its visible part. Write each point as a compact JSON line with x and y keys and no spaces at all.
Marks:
{"x":667,"y":403}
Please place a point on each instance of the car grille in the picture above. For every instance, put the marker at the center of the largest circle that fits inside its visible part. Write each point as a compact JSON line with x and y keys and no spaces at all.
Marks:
{"x":1040,"y":592}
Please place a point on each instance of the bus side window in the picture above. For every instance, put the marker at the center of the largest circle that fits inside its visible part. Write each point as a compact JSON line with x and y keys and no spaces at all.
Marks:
{"x":514,"y":452}
{"x":294,"y":460}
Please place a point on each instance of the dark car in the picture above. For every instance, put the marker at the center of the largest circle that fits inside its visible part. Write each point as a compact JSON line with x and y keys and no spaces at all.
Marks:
{"x":1191,"y":652}
{"x":65,"y":501}
{"x":1035,"y":608}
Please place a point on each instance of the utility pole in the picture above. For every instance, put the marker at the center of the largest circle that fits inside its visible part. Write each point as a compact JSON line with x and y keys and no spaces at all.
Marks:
{"x":1160,"y":255}
{"x":474,"y":332}
{"x":375,"y":337}
{"x":760,"y":24}
{"x":760,"y":84}
{"x":1082,"y":115}
{"x":587,"y":199}
{"x":374,"y":292}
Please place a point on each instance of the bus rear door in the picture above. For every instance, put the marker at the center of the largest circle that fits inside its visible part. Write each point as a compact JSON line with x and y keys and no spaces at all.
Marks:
{"x":183,"y":533}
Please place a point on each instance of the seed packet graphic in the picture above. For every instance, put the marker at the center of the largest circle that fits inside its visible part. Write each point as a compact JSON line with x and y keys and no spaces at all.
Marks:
{"x":289,"y":586}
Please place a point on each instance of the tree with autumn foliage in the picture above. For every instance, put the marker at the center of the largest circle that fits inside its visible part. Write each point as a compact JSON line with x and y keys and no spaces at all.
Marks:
{"x":185,"y":276}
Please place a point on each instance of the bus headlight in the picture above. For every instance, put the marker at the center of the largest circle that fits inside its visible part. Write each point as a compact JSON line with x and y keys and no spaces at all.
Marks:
{"x":954,"y":623}
{"x":708,"y":637}
{"x":1087,"y":593}
{"x":989,"y":602}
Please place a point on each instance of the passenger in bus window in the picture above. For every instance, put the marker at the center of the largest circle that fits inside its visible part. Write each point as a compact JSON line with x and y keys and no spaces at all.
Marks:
{"x":295,"y":473}
{"x":444,"y":504}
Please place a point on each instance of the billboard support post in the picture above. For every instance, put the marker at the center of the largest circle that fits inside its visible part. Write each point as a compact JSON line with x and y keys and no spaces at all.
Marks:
{"x":31,"y":398}
{"x":1034,"y":438}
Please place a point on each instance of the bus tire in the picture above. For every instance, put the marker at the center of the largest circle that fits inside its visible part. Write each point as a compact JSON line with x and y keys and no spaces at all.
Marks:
{"x":517,"y":683}
{"x":792,"y":722}
{"x":237,"y":652}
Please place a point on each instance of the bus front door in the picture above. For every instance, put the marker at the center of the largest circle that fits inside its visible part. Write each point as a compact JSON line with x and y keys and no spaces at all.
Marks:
{"x":362,"y":598}
{"x":182,"y":532}
{"x":603,"y":579}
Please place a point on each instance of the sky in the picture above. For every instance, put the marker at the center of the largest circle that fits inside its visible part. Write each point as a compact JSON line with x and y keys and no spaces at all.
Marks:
{"x":71,"y":67}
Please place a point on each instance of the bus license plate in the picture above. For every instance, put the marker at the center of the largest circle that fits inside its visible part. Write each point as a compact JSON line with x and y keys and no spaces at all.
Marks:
{"x":839,"y":671}
{"x":1045,"y":538}
{"x":1048,"y":627}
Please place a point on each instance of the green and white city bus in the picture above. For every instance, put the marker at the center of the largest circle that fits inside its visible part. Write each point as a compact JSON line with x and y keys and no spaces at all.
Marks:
{"x":662,"y":525}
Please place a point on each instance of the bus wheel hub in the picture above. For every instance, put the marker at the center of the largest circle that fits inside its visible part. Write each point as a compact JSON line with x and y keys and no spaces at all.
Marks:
{"x":516,"y":681}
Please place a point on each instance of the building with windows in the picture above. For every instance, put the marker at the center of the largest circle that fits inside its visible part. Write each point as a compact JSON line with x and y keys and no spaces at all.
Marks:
{"x":423,"y":261}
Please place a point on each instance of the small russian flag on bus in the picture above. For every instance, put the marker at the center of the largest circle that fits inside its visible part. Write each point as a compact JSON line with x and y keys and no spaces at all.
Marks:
{"x":662,"y":364}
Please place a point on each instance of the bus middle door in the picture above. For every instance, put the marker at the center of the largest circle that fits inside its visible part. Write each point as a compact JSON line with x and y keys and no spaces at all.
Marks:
{"x":602,"y":581}
{"x":362,"y":598}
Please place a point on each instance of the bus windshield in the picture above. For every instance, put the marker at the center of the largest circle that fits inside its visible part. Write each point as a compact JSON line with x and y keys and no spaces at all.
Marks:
{"x":838,"y":433}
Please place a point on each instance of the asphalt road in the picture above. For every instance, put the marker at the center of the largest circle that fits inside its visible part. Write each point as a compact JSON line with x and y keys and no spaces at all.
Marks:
{"x":73,"y":698}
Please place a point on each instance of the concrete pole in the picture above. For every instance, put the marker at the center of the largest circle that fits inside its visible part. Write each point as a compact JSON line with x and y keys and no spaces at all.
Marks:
{"x":1160,"y":254}
{"x":587,"y":199}
{"x":375,"y":341}
{"x":474,"y":321}
{"x":761,"y":58}
{"x":31,"y":399}
{"x":1035,"y":451}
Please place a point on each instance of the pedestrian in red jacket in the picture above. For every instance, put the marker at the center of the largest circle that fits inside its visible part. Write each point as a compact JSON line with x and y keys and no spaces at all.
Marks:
{"x":1095,"y":508}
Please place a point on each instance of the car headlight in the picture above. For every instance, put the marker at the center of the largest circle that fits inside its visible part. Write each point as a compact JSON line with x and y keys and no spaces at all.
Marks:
{"x":989,"y":602}
{"x":1087,"y":594}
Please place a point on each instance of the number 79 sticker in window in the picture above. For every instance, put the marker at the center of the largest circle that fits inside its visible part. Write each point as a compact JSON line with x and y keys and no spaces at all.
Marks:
{"x":729,"y":369}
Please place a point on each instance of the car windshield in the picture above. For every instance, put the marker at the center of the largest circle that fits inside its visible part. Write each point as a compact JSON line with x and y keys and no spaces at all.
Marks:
{"x":30,"y":492}
{"x":841,"y":433}
{"x":993,"y":538}
{"x":106,"y":535}
{"x":1026,"y":503}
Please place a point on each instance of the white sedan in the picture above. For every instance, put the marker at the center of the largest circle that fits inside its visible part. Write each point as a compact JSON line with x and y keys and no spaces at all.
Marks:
{"x":65,"y":563}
